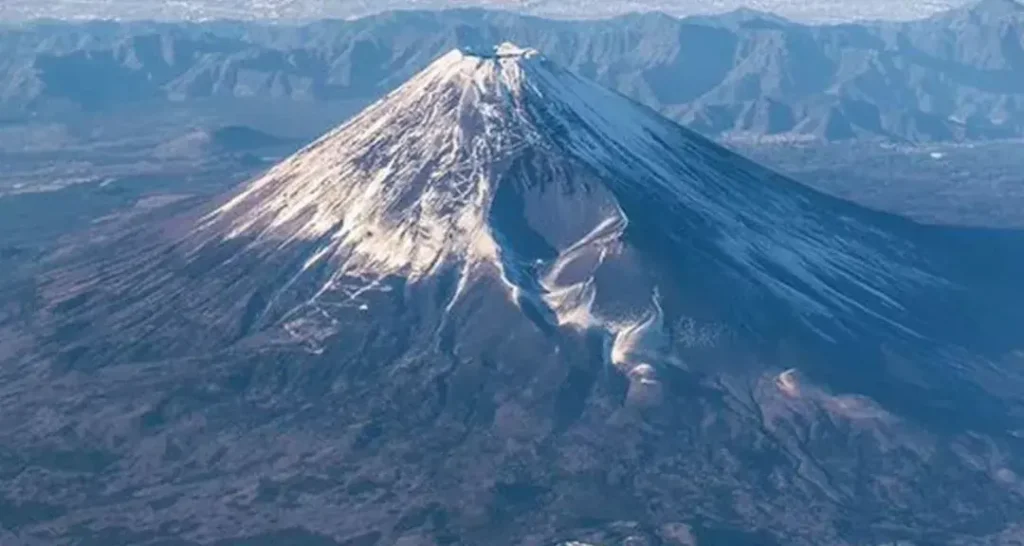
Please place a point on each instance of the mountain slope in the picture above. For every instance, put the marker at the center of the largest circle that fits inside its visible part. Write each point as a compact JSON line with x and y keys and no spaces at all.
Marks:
{"x":507,"y":305}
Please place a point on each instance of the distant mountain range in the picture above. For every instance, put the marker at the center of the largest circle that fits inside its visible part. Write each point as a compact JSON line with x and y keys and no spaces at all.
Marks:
{"x":816,"y":10}
{"x":745,"y":74}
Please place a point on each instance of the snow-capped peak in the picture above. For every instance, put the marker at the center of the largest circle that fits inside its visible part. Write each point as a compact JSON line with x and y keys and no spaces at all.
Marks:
{"x":499,"y":159}
{"x":408,"y":183}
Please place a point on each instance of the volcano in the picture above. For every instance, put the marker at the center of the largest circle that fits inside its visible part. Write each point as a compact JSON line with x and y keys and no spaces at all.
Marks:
{"x":505,"y":305}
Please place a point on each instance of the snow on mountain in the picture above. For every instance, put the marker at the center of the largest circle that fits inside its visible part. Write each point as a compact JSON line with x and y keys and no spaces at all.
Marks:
{"x":418,"y":182}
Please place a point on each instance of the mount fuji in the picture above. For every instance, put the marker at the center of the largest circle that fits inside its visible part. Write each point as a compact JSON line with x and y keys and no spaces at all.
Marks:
{"x":505,"y":305}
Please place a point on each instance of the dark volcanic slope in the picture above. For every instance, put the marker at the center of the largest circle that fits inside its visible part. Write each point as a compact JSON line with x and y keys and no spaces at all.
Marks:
{"x":507,"y":306}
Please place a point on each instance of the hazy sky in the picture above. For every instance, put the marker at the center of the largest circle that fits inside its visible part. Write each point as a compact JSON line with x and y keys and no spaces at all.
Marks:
{"x":808,"y":10}
{"x":819,"y":10}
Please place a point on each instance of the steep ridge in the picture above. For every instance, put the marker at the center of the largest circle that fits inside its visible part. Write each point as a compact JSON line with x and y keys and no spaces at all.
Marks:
{"x":526,"y":302}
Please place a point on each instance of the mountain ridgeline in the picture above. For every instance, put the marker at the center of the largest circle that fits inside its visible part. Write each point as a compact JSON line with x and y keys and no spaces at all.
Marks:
{"x":955,"y":76}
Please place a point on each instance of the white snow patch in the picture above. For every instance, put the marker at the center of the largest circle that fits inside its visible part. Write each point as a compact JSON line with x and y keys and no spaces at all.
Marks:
{"x":788,"y":382}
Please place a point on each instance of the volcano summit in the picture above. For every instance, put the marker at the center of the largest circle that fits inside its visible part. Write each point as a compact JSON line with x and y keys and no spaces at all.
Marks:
{"x":505,"y":305}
